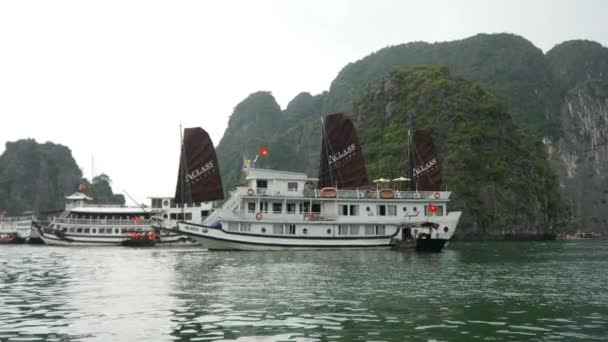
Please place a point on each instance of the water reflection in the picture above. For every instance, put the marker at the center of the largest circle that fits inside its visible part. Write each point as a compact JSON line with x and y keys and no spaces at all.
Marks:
{"x":504,"y":292}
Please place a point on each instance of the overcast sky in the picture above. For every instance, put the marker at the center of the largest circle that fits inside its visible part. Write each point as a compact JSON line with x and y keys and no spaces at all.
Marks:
{"x":113,"y":79}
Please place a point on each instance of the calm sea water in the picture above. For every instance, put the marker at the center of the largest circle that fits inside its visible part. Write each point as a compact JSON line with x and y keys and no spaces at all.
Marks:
{"x":471,"y":291}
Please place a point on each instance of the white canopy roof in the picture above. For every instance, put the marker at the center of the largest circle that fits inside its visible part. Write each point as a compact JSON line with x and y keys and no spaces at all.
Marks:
{"x":78,"y":196}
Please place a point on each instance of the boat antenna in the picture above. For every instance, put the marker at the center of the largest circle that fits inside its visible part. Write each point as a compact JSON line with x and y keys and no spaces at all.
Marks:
{"x":134,"y":201}
{"x":182,"y":172}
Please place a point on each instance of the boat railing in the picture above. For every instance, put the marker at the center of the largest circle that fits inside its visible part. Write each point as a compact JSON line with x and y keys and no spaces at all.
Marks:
{"x":17,"y":218}
{"x":356,"y":193}
{"x":101,"y":222}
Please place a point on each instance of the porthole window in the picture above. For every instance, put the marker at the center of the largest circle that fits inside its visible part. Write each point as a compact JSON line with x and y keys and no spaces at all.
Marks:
{"x":263,"y":230}
{"x":165,"y":216}
{"x":446,"y":229}
{"x":116,"y":230}
{"x":415,"y":208}
{"x":304,"y":231}
{"x":94,"y":231}
{"x":368,"y":208}
{"x":404,"y":209}
{"x":165,"y":203}
{"x":329,"y":231}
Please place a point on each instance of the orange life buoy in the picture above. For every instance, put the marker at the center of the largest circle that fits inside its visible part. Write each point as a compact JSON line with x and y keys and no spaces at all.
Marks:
{"x":258,"y":216}
{"x":250,"y":192}
{"x":436,"y":195}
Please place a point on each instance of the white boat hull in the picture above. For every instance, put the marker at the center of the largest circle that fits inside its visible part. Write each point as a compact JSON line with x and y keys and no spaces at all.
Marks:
{"x":219,"y":239}
{"x":67,"y":240}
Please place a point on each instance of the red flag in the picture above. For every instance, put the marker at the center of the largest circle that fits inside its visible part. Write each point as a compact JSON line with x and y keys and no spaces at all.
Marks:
{"x":81,"y":187}
{"x":433,"y":209}
{"x":264,"y":152}
{"x":137,"y":219}
{"x":4,"y":212}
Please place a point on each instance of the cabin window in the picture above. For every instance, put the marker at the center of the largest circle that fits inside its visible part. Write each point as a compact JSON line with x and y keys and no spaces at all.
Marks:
{"x":263,"y":207}
{"x":343,"y":229}
{"x":354,"y":210}
{"x":71,"y":230}
{"x":188,"y":216}
{"x":415,"y":209}
{"x":277,"y":208}
{"x":292,"y":186}
{"x":78,"y":230}
{"x":344,"y":210}
{"x":316,"y":208}
{"x":277,"y":229}
{"x":165,"y":216}
{"x":381,"y":210}
{"x":369,"y":230}
{"x":205,"y":213}
{"x":304,"y":208}
{"x":380,"y":229}
{"x":354,"y":230}
{"x":261,"y":184}
{"x":391,"y":210}
{"x":123,"y":230}
{"x":233,"y":226}
{"x":263,"y":230}
{"x":404,"y":209}
{"x":291,"y":208}
{"x":64,"y":229}
{"x":304,"y":231}
{"x":251,"y":207}
{"x":291,"y":229}
{"x":174,"y":216}
{"x":245,"y":227}
{"x":87,"y":230}
{"x":101,"y":230}
{"x":329,"y":231}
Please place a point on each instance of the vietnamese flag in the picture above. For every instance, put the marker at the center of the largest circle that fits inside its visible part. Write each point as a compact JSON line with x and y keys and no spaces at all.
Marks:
{"x":433,"y":209}
{"x":137,"y":219}
{"x":264,"y":152}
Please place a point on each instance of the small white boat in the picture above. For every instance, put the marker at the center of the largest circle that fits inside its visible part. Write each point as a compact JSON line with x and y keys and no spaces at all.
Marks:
{"x":21,"y":226}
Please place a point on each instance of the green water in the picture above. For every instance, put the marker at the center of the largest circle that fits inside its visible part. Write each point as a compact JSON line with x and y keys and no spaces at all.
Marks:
{"x":472,"y":291}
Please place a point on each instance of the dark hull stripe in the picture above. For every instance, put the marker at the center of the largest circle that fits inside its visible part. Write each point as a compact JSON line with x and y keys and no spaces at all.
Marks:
{"x":283,"y":245}
{"x":339,"y":237}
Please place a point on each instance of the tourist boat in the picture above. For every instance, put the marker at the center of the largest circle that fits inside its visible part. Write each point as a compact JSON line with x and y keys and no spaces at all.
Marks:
{"x":579,"y":235}
{"x":82,"y":224}
{"x":22,"y":227}
{"x":279,"y":210}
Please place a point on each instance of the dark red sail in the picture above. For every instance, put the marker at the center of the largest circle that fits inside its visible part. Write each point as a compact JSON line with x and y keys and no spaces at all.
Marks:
{"x":342,"y":163}
{"x":425,"y":170}
{"x":199,"y":173}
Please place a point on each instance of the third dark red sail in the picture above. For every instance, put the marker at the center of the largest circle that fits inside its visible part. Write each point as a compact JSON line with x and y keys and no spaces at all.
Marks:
{"x":425,"y":169}
{"x":199,"y":177}
{"x":342,"y":163}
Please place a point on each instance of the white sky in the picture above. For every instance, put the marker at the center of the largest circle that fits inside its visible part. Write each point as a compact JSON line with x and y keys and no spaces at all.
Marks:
{"x":114,"y":79}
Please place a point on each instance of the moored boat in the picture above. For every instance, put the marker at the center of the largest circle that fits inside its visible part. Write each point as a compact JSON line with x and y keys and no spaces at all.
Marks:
{"x":21,"y":226}
{"x":99,"y":225}
{"x":279,"y":210}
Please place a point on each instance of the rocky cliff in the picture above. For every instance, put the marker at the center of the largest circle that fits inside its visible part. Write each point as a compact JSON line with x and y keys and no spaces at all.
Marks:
{"x":579,"y":155}
{"x":36,"y":177}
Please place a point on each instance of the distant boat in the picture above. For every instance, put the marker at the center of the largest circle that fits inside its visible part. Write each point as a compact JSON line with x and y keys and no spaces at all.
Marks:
{"x":280,"y":210}
{"x":82,"y":224}
{"x":582,"y":236}
{"x":20,"y":226}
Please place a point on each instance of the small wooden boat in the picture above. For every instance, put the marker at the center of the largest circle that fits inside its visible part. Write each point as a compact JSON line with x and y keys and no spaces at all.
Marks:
{"x":6,"y":238}
{"x":139,"y":239}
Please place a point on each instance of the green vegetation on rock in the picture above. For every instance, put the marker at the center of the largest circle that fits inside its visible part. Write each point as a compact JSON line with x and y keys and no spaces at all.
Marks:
{"x":499,"y":174}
